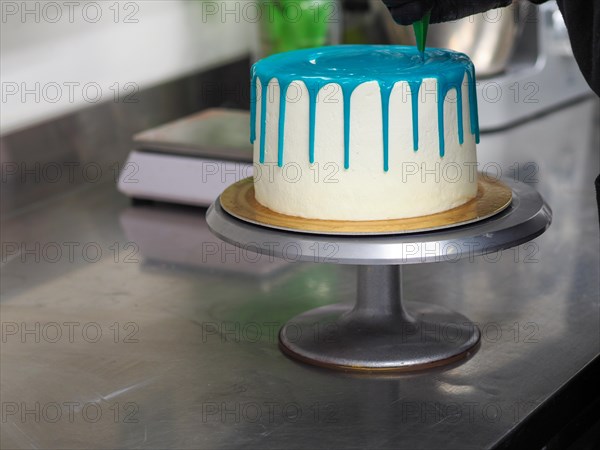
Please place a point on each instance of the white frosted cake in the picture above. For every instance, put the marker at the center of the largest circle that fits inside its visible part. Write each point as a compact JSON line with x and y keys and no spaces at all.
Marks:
{"x":364,"y":132}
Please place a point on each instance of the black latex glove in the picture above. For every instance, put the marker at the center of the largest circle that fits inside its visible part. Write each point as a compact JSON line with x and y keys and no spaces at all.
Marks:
{"x":405,"y":12}
{"x":581,"y":16}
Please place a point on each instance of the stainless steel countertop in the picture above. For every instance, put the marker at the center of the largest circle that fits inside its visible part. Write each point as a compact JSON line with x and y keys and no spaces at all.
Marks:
{"x":187,"y":356}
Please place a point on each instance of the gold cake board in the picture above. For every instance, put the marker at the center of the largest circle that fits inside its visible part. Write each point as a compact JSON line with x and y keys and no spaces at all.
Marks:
{"x":493,"y":196}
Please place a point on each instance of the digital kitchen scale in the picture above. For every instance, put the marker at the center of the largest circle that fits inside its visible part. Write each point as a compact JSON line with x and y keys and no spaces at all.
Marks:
{"x":189,"y":161}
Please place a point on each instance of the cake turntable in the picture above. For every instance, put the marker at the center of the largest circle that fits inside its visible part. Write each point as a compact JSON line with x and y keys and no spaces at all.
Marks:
{"x":378,"y":333}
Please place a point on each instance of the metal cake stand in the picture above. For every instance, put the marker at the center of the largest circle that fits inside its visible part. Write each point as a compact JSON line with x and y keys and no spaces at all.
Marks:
{"x":378,"y":333}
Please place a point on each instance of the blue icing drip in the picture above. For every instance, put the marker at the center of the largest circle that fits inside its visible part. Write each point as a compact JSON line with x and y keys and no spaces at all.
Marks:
{"x":386,"y":91}
{"x":347,"y":89}
{"x":263,"y":117}
{"x":442,"y":90}
{"x":443,"y":87}
{"x":312,"y":120}
{"x":473,"y":111}
{"x":351,"y":65}
{"x":283,"y":87}
{"x":415,"y":87}
{"x":253,"y":107}
{"x":459,"y":113}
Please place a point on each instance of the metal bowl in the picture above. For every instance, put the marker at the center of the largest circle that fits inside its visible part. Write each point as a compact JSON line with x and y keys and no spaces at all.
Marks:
{"x":488,"y":38}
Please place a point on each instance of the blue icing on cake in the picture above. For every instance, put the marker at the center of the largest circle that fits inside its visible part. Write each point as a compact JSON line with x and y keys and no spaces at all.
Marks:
{"x":351,"y":65}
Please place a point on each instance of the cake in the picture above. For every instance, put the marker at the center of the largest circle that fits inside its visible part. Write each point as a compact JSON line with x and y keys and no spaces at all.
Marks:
{"x":364,"y":132}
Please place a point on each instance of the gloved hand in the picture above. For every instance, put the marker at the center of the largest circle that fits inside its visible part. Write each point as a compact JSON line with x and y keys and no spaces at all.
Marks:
{"x":405,"y":12}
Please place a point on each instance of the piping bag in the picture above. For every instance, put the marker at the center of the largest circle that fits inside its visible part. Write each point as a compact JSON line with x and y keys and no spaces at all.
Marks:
{"x":420,"y":28}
